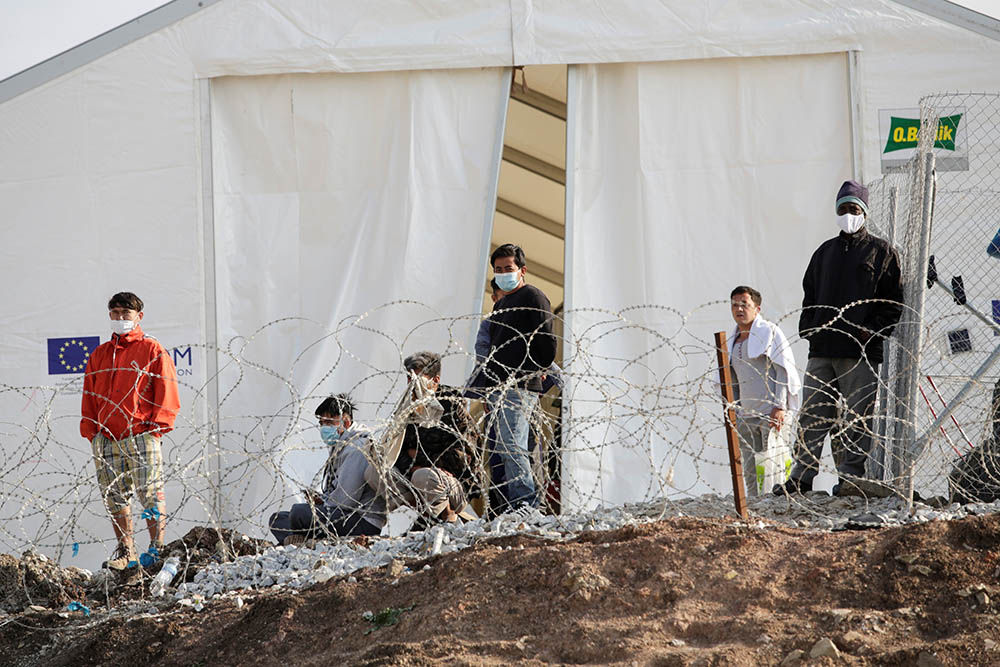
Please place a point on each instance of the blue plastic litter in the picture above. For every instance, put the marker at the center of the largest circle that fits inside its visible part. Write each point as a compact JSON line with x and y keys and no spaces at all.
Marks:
{"x":76,"y":606}
{"x":150,"y":557}
{"x":76,"y":548}
{"x":151,"y":513}
{"x":994,"y":248}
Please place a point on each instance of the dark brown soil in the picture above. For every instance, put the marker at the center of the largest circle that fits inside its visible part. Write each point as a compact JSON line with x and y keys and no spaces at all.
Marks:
{"x":678,"y":592}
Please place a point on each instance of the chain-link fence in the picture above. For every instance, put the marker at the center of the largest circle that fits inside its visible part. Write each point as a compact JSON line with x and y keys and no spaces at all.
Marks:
{"x":942,"y":212}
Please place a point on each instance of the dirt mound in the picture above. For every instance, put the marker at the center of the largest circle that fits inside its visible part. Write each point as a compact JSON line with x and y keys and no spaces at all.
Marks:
{"x":35,"y":580}
{"x":677,"y":592}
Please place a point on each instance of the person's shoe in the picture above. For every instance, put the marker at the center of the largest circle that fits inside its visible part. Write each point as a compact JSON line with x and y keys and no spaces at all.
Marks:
{"x":792,"y":486}
{"x":123,"y":558}
{"x":294,"y":540}
{"x":520,"y":511}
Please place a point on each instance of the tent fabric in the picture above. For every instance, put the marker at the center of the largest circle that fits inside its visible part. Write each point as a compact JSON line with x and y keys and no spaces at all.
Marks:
{"x":101,"y":187}
{"x":676,"y":200}
{"x":359,"y":204}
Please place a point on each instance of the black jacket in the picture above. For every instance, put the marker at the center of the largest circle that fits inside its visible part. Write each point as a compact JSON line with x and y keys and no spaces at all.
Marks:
{"x":451,"y":445}
{"x":844,"y":270}
{"x":521,"y":339}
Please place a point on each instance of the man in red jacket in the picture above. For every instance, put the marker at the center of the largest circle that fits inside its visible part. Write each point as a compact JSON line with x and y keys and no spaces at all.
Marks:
{"x":129,"y":401}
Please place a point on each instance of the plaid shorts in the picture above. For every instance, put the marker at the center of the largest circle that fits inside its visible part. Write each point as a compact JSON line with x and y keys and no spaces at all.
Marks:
{"x":129,"y":466}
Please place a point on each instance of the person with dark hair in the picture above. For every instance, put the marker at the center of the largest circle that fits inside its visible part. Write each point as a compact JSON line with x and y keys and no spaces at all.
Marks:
{"x":130,"y":401}
{"x":522,"y":349}
{"x":430,"y":447}
{"x":853,"y":298}
{"x":347,"y":505}
{"x":766,"y":379}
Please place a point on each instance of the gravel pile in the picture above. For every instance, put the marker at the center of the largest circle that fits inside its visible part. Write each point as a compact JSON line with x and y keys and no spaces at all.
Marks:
{"x":301,"y":567}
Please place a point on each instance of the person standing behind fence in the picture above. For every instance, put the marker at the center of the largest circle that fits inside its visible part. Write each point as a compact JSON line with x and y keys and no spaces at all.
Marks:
{"x":767,"y":382}
{"x":853,"y":298}
{"x":130,"y":402}
{"x":522,"y":348}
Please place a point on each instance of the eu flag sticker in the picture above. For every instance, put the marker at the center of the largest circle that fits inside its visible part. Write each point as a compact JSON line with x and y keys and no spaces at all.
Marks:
{"x":69,"y":355}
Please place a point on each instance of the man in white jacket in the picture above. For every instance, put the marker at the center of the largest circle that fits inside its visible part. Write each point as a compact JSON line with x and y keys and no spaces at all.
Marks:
{"x":767,"y":383}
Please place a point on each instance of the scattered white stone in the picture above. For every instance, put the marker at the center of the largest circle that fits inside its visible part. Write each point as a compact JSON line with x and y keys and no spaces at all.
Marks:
{"x":300,"y":567}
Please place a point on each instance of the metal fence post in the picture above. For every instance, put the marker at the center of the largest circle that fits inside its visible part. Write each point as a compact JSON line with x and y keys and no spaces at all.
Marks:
{"x":916,"y":330}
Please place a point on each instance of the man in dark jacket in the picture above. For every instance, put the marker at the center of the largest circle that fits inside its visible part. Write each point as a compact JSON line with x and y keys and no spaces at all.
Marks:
{"x":853,"y":300}
{"x":522,"y":348}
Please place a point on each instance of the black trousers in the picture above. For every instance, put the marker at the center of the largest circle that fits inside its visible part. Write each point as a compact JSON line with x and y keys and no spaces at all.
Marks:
{"x":318,"y":521}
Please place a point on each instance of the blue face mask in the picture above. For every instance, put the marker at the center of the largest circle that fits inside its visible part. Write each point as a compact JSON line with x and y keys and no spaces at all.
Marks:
{"x":507,"y":281}
{"x":330,"y":434}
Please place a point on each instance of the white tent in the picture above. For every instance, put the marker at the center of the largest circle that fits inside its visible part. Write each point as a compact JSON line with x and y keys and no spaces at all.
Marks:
{"x":311,"y":188}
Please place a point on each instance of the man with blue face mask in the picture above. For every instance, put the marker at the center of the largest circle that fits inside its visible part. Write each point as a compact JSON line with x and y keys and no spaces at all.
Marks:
{"x":521,"y":351}
{"x":347,"y":505}
{"x":130,"y":401}
{"x":853,"y":298}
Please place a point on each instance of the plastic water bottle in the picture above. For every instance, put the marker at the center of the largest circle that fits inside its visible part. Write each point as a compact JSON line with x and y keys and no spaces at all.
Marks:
{"x":164,"y":576}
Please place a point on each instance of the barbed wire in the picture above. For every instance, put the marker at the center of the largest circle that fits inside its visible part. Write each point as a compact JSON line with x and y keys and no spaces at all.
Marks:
{"x":650,"y":430}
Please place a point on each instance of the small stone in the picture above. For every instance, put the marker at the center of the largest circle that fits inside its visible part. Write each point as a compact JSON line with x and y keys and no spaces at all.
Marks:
{"x":838,"y":616}
{"x":395,"y":567}
{"x":989,"y":645}
{"x":677,"y":642}
{"x":732,"y":574}
{"x":921,"y":569}
{"x":926,"y":659}
{"x":908,"y":559}
{"x":764,"y":639}
{"x":824,"y":647}
{"x":982,"y":598}
{"x":37,"y":608}
{"x":792,"y":657}
{"x":853,"y":637}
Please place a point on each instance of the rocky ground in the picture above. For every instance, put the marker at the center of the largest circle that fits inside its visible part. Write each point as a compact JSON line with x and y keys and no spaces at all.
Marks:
{"x":816,"y":580}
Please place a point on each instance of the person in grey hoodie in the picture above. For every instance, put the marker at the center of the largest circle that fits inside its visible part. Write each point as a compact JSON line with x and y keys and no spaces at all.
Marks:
{"x":347,"y":505}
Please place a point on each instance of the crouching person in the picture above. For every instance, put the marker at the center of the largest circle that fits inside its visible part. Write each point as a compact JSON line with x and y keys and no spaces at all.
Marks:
{"x":427,"y":458}
{"x":347,"y":506}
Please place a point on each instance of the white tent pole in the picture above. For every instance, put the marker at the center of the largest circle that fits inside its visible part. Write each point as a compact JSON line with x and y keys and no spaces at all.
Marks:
{"x":855,"y":94}
{"x":211,"y":306}
{"x":572,"y":86}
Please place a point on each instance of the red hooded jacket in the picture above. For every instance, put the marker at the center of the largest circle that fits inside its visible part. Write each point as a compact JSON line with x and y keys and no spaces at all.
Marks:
{"x":129,"y":387}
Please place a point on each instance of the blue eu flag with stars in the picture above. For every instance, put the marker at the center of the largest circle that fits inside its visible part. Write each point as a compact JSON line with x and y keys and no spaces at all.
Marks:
{"x":69,"y":355}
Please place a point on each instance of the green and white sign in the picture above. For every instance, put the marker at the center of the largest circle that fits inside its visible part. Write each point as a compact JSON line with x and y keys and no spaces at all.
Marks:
{"x":899,"y":132}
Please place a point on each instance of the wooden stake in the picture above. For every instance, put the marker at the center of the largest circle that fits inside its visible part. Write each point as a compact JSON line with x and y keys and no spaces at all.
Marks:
{"x":729,"y":419}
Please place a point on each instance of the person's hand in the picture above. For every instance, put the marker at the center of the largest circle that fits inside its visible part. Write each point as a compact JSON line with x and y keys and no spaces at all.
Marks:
{"x":776,"y":418}
{"x":313,"y":497}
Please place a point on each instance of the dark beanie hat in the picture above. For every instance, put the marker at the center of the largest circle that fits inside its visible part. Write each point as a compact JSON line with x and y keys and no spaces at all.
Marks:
{"x":853,"y":192}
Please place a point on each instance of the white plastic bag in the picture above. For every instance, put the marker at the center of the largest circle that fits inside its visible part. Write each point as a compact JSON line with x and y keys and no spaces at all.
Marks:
{"x":774,"y":464}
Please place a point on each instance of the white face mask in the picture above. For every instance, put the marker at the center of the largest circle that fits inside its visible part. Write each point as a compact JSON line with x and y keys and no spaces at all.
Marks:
{"x":850,"y":223}
{"x":122,"y":327}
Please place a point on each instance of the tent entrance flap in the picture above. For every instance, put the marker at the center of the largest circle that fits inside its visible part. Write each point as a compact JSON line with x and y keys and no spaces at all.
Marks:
{"x":689,"y":178}
{"x":350,"y":216}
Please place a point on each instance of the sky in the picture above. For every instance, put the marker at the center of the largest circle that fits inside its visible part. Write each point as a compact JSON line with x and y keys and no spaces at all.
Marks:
{"x":33,"y":30}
